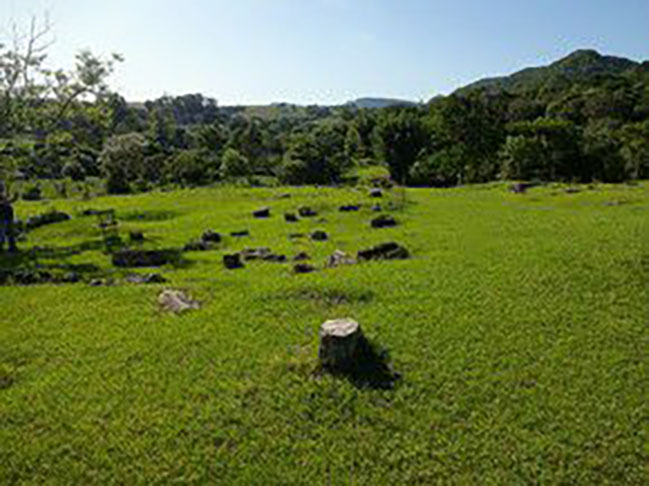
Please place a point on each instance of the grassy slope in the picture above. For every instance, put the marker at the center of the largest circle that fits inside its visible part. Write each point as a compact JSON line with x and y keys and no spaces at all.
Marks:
{"x":520,"y":328}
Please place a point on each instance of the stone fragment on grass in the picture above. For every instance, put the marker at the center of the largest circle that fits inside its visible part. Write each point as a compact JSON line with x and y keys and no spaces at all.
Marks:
{"x":339,"y":258}
{"x":290,"y":218}
{"x":262,"y":213}
{"x":50,"y":217}
{"x":232,"y":261}
{"x":307,"y":212}
{"x":210,"y":236}
{"x":144,"y":258}
{"x":303,"y":268}
{"x":296,"y":235}
{"x":383,"y":221}
{"x":239,"y":234}
{"x":384,"y":251}
{"x":339,"y":340}
{"x":377,"y":208}
{"x":255,"y":253}
{"x":197,"y":246}
{"x":376,"y":192}
{"x":176,"y":301}
{"x":349,"y":208}
{"x":319,"y":235}
{"x":274,"y":258}
{"x":148,"y":278}
{"x":300,"y":257}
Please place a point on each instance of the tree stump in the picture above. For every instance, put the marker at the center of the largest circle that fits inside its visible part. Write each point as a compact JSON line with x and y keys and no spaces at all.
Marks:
{"x":339,"y":340}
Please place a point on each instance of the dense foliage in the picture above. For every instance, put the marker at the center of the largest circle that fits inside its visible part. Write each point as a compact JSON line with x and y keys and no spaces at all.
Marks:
{"x":583,"y":118}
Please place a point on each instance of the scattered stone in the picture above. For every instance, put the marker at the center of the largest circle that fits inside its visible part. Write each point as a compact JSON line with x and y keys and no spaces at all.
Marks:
{"x":96,"y":282}
{"x":384,"y":251}
{"x":136,"y":236}
{"x":149,"y":278}
{"x":296,"y":235}
{"x":339,"y":340}
{"x":521,"y":187}
{"x":197,"y":246}
{"x":31,"y":277}
{"x":290,"y":218}
{"x":255,"y":253}
{"x":144,"y":258}
{"x":176,"y":301}
{"x":339,"y":258}
{"x":376,"y":192}
{"x":239,"y":234}
{"x":50,"y":217}
{"x":348,"y":208}
{"x":303,"y":268}
{"x":262,"y":213}
{"x":211,"y":237}
{"x":91,"y":212}
{"x":307,"y":212}
{"x":232,"y":261}
{"x":377,"y":208}
{"x":300,"y":257}
{"x":383,"y":221}
{"x":319,"y":235}
{"x":274,"y":258}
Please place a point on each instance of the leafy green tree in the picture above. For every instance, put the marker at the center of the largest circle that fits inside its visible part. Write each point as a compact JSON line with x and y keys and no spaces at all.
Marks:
{"x":122,"y":161}
{"x":234,"y":164}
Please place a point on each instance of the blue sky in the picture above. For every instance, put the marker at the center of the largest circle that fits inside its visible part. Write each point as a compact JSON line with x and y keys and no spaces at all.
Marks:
{"x":329,"y":51}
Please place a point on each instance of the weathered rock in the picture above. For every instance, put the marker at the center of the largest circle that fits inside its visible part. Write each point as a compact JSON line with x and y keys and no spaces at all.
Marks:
{"x":376,"y":192}
{"x":274,"y":258}
{"x":300,"y":257}
{"x":136,"y":236}
{"x":348,"y":208}
{"x":377,"y":208}
{"x":144,"y":258}
{"x":339,"y":341}
{"x":307,"y":212}
{"x":232,"y":261}
{"x":290,"y":218}
{"x":384,"y":251}
{"x":319,"y":235}
{"x":339,"y":258}
{"x":262,"y":213}
{"x":211,"y":237}
{"x":383,"y":221}
{"x":255,"y":253}
{"x":176,"y":301}
{"x":50,"y":217}
{"x":239,"y":234}
{"x":303,"y":268}
{"x":521,"y":187}
{"x":96,"y":282}
{"x":149,"y":278}
{"x":197,"y":246}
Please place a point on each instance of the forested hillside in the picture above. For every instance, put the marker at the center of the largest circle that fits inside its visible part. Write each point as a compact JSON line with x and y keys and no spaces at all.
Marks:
{"x":582,"y":118}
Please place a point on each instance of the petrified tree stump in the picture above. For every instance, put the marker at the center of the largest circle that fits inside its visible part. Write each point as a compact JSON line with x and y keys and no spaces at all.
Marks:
{"x":339,"y":340}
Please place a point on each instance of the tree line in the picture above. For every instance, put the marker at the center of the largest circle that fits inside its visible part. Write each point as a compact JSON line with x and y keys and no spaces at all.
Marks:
{"x":56,"y":124}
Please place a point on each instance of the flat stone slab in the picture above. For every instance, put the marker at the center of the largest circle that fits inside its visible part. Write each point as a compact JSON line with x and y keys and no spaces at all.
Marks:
{"x":384,"y":251}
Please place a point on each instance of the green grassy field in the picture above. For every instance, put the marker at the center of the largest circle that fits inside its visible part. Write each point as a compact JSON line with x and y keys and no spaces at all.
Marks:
{"x":520,"y":327}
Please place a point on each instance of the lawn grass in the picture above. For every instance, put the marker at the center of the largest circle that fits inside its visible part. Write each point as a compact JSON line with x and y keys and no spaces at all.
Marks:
{"x":520,"y":328}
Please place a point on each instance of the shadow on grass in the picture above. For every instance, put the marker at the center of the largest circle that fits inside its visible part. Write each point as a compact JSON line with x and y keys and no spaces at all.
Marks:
{"x":371,"y":368}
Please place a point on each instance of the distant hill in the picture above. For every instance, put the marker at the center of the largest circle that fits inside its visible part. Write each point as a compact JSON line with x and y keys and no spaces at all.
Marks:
{"x":379,"y":103}
{"x":581,"y":65}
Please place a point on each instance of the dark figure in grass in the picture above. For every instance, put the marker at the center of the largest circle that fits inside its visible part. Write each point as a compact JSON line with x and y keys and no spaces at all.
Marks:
{"x":7,"y":223}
